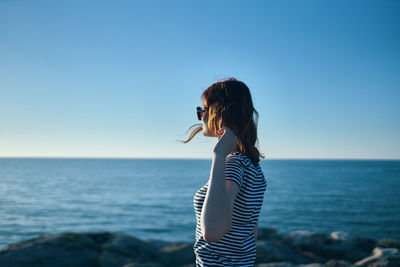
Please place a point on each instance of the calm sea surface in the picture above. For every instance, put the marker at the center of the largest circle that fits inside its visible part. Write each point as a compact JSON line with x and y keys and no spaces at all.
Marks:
{"x":153,"y":199}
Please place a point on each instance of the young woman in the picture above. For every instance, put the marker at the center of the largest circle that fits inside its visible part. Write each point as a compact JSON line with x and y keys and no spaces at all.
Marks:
{"x":228,"y":206}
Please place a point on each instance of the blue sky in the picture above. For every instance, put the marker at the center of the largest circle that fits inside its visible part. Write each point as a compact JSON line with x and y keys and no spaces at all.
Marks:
{"x":122,"y":79}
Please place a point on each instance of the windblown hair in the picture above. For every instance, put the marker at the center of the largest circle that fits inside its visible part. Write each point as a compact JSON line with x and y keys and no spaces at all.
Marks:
{"x":229,"y":104}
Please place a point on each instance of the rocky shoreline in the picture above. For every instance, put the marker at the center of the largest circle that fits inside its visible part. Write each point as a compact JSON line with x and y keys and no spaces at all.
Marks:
{"x":298,"y":248}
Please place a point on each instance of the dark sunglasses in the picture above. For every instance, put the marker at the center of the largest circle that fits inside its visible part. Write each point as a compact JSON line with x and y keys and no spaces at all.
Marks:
{"x":200,"y":112}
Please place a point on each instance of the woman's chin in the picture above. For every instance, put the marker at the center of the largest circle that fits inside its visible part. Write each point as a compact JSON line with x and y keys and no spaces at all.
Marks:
{"x":206,"y":133}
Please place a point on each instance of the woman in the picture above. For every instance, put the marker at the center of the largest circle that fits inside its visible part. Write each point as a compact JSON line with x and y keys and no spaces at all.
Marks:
{"x":228,"y":206}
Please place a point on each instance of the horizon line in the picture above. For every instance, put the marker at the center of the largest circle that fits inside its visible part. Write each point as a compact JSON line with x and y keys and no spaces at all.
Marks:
{"x":160,"y":158}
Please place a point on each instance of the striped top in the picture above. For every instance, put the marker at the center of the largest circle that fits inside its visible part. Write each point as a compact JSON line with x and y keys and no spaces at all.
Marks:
{"x":237,"y":247}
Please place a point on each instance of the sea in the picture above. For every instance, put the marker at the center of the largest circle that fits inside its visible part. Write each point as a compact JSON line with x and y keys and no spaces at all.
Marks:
{"x":153,"y":198}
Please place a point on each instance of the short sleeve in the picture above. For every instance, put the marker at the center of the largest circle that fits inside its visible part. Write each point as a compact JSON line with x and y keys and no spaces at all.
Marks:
{"x":234,"y":169}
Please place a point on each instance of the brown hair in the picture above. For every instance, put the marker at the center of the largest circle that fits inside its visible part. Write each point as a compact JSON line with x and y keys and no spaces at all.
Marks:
{"x":229,"y":104}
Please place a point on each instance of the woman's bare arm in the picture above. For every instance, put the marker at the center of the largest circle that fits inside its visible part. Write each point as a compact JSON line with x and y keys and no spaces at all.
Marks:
{"x":216,"y":214}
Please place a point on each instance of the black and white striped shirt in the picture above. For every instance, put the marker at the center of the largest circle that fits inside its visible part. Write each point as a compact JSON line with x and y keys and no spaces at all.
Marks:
{"x":237,"y":247}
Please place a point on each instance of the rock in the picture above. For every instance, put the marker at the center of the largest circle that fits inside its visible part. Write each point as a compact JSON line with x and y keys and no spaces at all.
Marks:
{"x":67,"y":249}
{"x":381,"y":257}
{"x":298,"y":248}
{"x":388,"y":243}
{"x":353,"y":242}
{"x":178,"y":253}
{"x":276,"y":264}
{"x":142,"y":265}
{"x":174,"y":253}
{"x":312,"y":256}
{"x":366,"y":244}
{"x":275,"y":251}
{"x":342,"y":246}
{"x":111,"y":258}
{"x":78,"y":249}
{"x":338,"y":263}
{"x":304,"y":239}
{"x":288,"y":264}
{"x":343,"y":236}
{"x":96,"y":249}
{"x":158,"y":243}
{"x":319,"y":248}
{"x":307,"y":243}
{"x":267,"y":233}
{"x":122,"y":249}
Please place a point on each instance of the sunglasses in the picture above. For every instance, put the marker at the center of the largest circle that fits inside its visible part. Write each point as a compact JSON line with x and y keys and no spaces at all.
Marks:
{"x":200,"y":112}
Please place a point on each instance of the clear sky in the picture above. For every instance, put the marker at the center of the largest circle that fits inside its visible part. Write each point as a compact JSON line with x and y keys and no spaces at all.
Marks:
{"x":122,"y":79}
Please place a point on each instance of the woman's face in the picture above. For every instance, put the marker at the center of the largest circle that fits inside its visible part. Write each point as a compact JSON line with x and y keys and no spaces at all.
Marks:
{"x":206,"y":130}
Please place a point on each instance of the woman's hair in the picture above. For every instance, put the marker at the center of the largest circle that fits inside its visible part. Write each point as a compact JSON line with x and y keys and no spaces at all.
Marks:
{"x":229,"y":104}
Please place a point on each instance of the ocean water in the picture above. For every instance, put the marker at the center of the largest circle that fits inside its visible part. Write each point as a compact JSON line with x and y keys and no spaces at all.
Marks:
{"x":153,"y":199}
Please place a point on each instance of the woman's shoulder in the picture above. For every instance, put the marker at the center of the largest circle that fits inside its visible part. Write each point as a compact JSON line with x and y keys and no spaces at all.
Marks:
{"x":237,"y":154}
{"x":254,"y":172}
{"x":243,"y":158}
